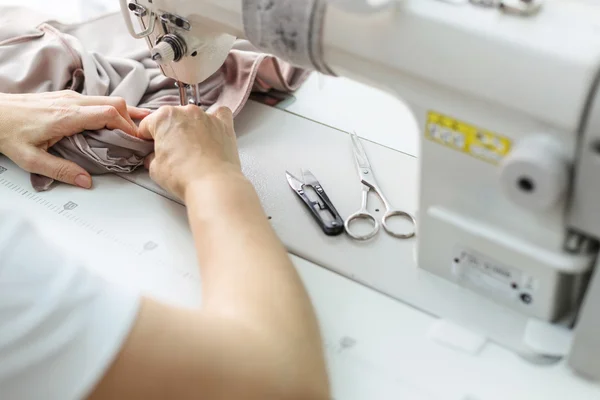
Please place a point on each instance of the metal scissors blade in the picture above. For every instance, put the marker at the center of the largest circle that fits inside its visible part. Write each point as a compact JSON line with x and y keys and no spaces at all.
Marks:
{"x":294,"y":182}
{"x":309,"y":178}
{"x":359,"y":153}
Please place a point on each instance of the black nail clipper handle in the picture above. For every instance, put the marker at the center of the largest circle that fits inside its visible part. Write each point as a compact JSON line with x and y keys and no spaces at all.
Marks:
{"x":330,"y":228}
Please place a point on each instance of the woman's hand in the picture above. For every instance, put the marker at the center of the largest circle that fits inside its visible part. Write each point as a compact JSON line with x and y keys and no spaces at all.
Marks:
{"x":32,"y":123}
{"x":189,"y":145}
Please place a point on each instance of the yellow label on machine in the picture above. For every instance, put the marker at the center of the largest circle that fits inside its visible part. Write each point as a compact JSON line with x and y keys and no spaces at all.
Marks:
{"x":466,"y":138}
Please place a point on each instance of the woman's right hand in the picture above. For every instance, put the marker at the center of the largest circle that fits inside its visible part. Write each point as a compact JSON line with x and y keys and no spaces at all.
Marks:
{"x":244,"y":266}
{"x":189,"y":146}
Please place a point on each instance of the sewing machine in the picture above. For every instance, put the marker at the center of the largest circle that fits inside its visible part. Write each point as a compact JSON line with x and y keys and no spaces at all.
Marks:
{"x":508,"y":100}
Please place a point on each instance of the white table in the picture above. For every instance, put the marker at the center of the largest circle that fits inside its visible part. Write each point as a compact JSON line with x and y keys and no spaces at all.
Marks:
{"x":377,"y":348}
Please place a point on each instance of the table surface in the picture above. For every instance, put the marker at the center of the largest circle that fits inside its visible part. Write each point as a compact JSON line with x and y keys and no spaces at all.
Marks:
{"x":379,"y":348}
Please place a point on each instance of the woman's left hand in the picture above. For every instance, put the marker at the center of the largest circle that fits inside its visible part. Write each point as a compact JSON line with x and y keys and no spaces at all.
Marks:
{"x":32,"y":123}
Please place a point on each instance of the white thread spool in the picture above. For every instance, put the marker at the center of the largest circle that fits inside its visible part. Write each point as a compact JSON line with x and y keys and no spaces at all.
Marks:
{"x":535,"y":174}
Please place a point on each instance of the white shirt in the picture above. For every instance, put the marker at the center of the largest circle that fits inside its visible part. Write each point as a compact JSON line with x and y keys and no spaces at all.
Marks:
{"x":61,"y":327}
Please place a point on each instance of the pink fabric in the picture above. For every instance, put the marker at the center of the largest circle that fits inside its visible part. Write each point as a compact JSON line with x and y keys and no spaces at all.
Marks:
{"x":51,"y":57}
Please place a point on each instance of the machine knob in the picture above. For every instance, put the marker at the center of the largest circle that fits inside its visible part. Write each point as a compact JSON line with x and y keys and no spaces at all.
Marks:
{"x":163,"y":53}
{"x":170,"y":48}
{"x":535,"y":175}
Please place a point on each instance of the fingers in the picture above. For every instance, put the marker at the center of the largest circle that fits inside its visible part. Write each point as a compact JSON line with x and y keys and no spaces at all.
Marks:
{"x":129,"y":113}
{"x":40,"y":162}
{"x":99,"y":117}
{"x":138,"y":113}
{"x":117,"y":102}
{"x":148,"y":161}
{"x":149,"y":125}
{"x":225,"y":115}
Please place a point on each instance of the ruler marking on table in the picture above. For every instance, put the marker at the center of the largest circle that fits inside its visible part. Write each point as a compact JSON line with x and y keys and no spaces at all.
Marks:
{"x":63,"y":212}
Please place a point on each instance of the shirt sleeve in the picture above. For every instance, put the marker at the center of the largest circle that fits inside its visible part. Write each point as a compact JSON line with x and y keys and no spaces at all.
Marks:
{"x":61,"y":326}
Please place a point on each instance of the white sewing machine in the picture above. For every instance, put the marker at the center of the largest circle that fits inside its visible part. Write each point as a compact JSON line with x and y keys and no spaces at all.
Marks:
{"x":508,"y":98}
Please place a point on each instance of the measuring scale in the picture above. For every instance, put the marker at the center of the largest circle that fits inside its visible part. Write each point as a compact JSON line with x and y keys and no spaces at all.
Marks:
{"x":116,"y":229}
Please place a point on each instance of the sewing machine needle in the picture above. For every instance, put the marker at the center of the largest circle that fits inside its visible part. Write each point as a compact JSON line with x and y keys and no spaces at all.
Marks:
{"x":183,"y":98}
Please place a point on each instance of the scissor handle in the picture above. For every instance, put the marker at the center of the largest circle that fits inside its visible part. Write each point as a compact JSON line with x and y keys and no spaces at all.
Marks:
{"x":330,"y":228}
{"x":404,"y":215}
{"x":359,"y":216}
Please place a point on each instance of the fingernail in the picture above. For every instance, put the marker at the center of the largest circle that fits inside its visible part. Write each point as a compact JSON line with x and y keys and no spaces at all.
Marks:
{"x":83,"y":181}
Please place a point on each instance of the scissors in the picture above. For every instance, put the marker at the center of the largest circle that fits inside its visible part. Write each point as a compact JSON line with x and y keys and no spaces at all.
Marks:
{"x":334,"y":225}
{"x":368,"y":181}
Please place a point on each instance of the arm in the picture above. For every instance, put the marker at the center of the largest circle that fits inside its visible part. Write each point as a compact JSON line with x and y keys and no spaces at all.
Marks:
{"x":247,"y":273}
{"x":256,"y":335}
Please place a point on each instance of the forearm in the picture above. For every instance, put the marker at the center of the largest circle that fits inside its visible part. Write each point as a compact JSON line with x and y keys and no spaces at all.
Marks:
{"x":246,"y":272}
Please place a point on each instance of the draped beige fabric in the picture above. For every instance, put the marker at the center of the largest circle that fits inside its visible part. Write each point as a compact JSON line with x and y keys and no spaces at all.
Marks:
{"x":99,"y":58}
